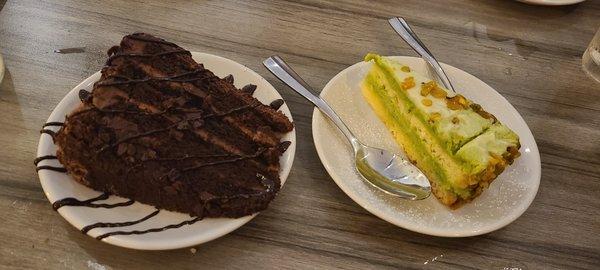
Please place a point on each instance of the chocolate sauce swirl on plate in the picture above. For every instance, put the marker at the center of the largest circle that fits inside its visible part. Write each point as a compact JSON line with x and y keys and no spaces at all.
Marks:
{"x":39,"y":159}
{"x":48,"y":124}
{"x":49,"y":132}
{"x":168,"y":227}
{"x":87,"y":228}
{"x":46,"y":167}
{"x":90,"y":202}
{"x":50,"y":168}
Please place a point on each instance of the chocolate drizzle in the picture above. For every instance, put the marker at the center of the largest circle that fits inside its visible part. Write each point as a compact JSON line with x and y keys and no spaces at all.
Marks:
{"x":90,"y":202}
{"x":59,"y":124}
{"x":39,"y":159}
{"x":50,"y":168}
{"x":87,"y":228}
{"x":267,"y":182}
{"x":139,"y":135}
{"x":125,"y":80}
{"x":172,"y":226}
{"x":117,"y":55}
{"x":45,"y":167}
{"x":174,"y":125}
{"x":182,"y":158}
{"x":238,"y":158}
{"x":50,"y":124}
{"x":93,"y":108}
{"x":49,"y":132}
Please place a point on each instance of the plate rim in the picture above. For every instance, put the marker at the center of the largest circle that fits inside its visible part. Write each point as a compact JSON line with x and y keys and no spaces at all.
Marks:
{"x":318,"y":116}
{"x":234,"y":223}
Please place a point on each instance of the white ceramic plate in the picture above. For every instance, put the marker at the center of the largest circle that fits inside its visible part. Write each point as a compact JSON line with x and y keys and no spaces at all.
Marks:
{"x":507,"y":198}
{"x":59,"y":185}
{"x":551,"y":2}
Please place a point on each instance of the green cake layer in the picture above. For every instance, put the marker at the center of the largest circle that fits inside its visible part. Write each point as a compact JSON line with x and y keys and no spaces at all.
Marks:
{"x":459,"y":146}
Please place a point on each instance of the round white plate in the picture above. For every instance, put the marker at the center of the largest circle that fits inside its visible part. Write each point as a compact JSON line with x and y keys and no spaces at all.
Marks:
{"x":507,"y":198}
{"x":551,"y":2}
{"x":59,"y":185}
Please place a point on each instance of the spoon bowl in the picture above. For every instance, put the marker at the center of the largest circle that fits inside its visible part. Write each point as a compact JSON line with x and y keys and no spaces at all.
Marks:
{"x":391,"y":173}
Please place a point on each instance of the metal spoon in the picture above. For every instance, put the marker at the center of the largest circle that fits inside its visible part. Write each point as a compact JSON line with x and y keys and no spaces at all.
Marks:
{"x":384,"y":170}
{"x":403,"y":29}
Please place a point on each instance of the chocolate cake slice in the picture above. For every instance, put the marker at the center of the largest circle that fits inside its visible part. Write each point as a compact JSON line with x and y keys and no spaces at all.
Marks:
{"x":161,"y":129}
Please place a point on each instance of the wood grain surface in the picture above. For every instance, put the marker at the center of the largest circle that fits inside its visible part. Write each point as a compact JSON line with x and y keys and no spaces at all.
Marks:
{"x":530,"y":54}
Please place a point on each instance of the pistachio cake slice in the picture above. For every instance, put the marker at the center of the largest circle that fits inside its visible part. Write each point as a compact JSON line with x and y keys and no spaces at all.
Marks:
{"x":460,"y":147}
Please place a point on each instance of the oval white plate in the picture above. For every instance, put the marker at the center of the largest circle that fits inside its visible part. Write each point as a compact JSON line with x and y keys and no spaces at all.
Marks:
{"x":507,"y":198}
{"x":59,"y":185}
{"x":551,"y":2}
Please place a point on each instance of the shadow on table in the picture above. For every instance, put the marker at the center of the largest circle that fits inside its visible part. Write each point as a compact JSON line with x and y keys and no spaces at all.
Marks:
{"x":514,"y":41}
{"x":524,"y":9}
{"x":7,"y":89}
{"x":8,"y":95}
{"x":107,"y":256}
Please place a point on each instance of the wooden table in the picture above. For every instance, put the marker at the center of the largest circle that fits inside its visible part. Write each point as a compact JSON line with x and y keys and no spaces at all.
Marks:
{"x":530,"y":54}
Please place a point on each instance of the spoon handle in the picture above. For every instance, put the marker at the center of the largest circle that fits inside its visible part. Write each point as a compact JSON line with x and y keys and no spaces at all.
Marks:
{"x":403,"y":29}
{"x":287,"y":75}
